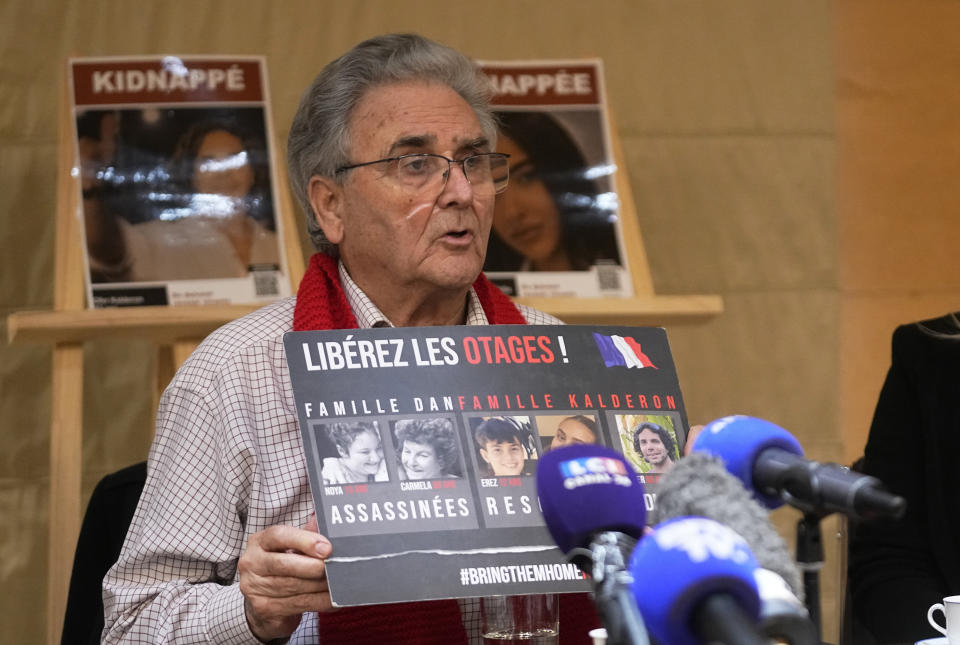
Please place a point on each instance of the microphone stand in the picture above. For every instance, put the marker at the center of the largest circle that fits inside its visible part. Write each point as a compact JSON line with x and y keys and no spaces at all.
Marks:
{"x":796,"y":485}
{"x":803,"y":492}
{"x":612,"y":596}
{"x":810,"y":560}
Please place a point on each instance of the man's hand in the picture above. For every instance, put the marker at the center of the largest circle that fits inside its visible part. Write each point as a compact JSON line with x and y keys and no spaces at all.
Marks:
{"x":282,"y":575}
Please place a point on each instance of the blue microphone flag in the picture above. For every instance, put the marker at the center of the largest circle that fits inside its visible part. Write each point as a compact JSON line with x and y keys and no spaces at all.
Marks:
{"x":585,"y":489}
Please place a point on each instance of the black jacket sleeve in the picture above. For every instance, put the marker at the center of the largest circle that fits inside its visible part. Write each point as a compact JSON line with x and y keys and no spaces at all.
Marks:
{"x":899,"y":568}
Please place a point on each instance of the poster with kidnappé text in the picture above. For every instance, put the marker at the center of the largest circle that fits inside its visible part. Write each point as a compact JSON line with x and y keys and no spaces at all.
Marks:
{"x":557,"y":228}
{"x":422,"y":446}
{"x":176,"y":167}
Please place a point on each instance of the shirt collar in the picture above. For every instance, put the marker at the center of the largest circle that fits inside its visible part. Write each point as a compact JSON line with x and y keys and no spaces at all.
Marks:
{"x":369,"y":315}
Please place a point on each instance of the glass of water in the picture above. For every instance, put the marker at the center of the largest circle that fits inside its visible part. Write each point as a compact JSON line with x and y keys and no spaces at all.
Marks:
{"x":520,"y":620}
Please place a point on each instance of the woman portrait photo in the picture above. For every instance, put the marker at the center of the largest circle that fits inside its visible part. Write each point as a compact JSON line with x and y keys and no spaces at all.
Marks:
{"x":202,"y":209}
{"x":427,"y":448}
{"x":552,"y":217}
{"x":359,"y":454}
{"x":569,"y":431}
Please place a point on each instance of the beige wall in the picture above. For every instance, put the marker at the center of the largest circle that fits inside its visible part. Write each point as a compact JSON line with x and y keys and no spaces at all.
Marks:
{"x":726,"y":111}
{"x":898,"y":149}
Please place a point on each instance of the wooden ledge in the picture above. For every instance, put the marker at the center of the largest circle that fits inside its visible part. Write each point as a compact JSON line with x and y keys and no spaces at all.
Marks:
{"x":161,"y":324}
{"x":168,"y":324}
{"x":640,"y":310}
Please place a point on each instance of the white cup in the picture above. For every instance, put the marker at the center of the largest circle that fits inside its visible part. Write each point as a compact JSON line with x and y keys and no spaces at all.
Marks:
{"x":598,"y":636}
{"x":951,"y":610}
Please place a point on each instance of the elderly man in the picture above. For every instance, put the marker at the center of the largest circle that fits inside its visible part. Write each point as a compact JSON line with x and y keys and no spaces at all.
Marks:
{"x":390,"y":153}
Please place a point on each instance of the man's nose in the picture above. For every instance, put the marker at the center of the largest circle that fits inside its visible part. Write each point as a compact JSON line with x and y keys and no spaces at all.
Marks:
{"x":457,"y":189}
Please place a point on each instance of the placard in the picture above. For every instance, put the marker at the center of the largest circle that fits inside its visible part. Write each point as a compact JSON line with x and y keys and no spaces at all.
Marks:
{"x":177,"y":173}
{"x":557,"y":228}
{"x":422,"y":446}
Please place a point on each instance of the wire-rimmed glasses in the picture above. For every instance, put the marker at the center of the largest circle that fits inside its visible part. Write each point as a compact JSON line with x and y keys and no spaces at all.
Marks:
{"x":487,"y":172}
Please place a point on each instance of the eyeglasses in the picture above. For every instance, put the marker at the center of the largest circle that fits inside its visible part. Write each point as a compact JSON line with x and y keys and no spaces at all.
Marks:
{"x":487,"y":172}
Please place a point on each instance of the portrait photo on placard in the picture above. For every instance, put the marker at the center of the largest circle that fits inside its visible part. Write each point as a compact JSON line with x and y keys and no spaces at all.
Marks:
{"x":504,"y":446}
{"x":648,"y":441}
{"x":557,"y":431}
{"x":352,"y":453}
{"x":427,"y":448}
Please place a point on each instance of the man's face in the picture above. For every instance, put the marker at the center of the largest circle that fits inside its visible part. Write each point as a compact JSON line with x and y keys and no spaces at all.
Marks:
{"x":653,"y":450}
{"x":505,"y":459}
{"x":430,"y":239}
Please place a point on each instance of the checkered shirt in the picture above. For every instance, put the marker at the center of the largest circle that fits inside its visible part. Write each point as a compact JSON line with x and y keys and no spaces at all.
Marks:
{"x":227,"y":461}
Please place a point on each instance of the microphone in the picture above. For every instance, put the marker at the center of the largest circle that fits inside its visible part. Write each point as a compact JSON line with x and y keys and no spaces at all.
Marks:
{"x":700,"y":485}
{"x":694,"y":582}
{"x":769,"y":461}
{"x":592,"y":503}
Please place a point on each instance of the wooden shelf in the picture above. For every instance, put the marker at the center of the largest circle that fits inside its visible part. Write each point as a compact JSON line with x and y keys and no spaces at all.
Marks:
{"x":159,"y":324}
{"x":640,"y":310}
{"x":169,"y":324}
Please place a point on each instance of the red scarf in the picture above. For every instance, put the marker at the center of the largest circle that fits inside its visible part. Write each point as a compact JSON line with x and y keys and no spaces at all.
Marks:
{"x":322,"y":304}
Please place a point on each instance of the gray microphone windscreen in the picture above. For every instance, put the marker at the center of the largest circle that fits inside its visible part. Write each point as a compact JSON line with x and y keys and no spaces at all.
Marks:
{"x":700,"y":485}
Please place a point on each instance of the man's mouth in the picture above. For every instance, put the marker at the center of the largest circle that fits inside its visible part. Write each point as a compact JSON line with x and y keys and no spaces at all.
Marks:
{"x":458,"y":237}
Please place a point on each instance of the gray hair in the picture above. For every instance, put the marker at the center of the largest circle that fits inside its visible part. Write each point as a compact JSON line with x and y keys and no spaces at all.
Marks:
{"x":319,"y":140}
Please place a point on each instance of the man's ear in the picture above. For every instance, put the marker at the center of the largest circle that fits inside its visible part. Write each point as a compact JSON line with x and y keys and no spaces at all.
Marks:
{"x":483,"y":454}
{"x":326,"y":201}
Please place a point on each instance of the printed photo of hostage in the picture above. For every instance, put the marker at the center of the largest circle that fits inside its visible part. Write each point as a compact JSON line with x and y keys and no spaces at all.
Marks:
{"x":201,"y":209}
{"x":427,"y":449}
{"x":553,"y":216}
{"x":649,"y":442}
{"x":559,"y":431}
{"x":359,"y":457}
{"x":655,"y":445}
{"x":505,"y":446}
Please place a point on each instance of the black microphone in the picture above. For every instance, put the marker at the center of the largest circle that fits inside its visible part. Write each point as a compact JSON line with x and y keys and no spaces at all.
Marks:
{"x":769,"y":461}
{"x":699,"y":484}
{"x":592,"y":504}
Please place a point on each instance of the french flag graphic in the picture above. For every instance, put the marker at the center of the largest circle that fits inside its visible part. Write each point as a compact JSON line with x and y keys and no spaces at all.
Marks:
{"x":621,"y":351}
